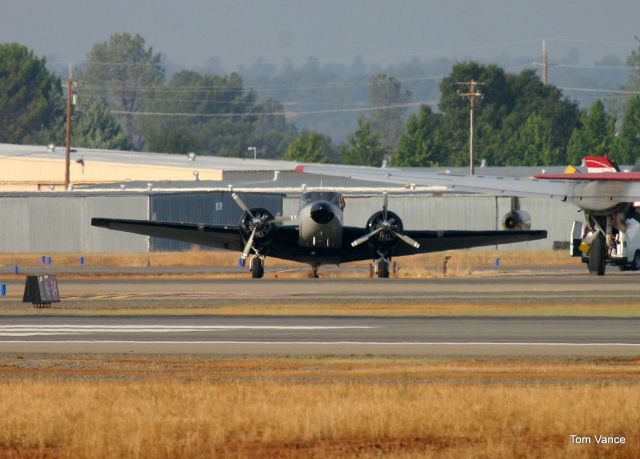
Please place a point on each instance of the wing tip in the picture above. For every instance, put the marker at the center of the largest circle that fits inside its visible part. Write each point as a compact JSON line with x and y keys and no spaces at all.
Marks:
{"x":100,"y":222}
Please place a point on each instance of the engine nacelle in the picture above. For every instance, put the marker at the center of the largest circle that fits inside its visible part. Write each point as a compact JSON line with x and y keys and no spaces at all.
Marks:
{"x":384,"y":238}
{"x":264,"y":221}
{"x":517,"y":220}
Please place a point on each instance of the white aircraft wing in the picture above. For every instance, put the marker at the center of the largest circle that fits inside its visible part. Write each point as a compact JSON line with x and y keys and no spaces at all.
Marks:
{"x":595,"y":194}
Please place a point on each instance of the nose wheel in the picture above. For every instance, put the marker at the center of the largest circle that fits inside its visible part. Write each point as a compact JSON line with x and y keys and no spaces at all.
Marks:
{"x":257,"y":267}
{"x":382,"y":266}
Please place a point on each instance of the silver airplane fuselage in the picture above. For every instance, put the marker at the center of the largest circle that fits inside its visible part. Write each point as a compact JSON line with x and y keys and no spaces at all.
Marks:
{"x":320,"y":219}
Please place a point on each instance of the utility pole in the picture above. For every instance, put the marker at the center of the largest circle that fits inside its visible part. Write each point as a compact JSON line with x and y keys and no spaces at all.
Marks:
{"x":545,"y":63}
{"x":71,"y":85}
{"x":472,"y":94}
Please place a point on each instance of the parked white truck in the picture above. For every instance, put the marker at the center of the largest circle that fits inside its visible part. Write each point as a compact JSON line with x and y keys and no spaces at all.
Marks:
{"x":623,"y":250}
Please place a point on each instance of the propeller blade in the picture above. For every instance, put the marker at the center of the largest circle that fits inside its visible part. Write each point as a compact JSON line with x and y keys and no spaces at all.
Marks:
{"x":242,"y":205}
{"x":407,"y":240}
{"x":366,"y":237}
{"x":249,"y":244}
{"x":385,"y":202}
{"x":515,"y":203}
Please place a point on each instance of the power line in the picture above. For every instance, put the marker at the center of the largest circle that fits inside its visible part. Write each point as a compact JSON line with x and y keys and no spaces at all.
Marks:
{"x":290,"y":114}
{"x":590,"y":67}
{"x":600,"y":90}
{"x":597,"y":42}
{"x":263,"y":88}
{"x":330,"y":60}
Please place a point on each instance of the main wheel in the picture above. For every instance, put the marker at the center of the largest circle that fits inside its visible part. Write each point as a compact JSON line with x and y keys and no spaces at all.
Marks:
{"x":257,"y":268}
{"x":598,"y":256}
{"x":635,"y":265}
{"x":382,"y":267}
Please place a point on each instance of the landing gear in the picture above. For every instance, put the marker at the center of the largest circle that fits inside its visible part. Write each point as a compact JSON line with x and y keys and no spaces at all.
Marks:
{"x":257,"y":267}
{"x":598,"y":256}
{"x":382,"y":264}
{"x":635,"y":265}
{"x":314,"y":271}
{"x":382,"y":268}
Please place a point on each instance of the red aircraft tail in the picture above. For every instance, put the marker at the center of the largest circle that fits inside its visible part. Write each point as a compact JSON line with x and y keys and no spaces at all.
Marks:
{"x":599,"y":164}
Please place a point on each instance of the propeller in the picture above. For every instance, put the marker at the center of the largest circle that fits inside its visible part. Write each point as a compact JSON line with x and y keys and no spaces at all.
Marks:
{"x":366,"y":237}
{"x":386,"y":225}
{"x":257,"y":221}
{"x":242,"y":205}
{"x":249,"y":244}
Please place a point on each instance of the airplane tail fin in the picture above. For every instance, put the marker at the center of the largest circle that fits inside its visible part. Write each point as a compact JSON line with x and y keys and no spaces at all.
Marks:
{"x":600,"y":164}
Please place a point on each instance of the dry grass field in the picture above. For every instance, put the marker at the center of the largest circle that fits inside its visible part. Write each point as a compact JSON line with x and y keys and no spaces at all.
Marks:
{"x":462,"y":262}
{"x":304,"y":308}
{"x":127,"y":406}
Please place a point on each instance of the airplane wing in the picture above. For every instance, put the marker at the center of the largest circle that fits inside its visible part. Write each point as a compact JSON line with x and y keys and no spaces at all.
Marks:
{"x":223,"y":237}
{"x":585,"y":188}
{"x":436,"y":241}
{"x":594,"y":176}
{"x":284,"y":244}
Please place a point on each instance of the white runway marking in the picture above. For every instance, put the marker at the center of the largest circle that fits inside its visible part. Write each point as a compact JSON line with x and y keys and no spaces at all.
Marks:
{"x":48,"y":330}
{"x":327,"y":343}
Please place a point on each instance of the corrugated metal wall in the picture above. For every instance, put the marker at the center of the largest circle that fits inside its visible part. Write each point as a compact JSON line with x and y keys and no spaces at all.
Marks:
{"x":62,"y":223}
{"x":213,"y":207}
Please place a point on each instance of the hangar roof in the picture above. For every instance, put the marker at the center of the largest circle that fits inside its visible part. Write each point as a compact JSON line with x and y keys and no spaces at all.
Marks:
{"x":134,"y":157}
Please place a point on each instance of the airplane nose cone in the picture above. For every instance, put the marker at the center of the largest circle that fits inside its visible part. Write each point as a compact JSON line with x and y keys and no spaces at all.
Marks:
{"x":321,"y":213}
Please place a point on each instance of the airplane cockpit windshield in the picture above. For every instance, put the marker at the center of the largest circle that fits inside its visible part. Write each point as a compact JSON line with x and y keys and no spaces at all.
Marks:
{"x":329,"y":196}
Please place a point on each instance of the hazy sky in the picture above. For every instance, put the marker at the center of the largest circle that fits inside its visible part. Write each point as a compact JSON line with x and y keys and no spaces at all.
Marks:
{"x":189,"y":32}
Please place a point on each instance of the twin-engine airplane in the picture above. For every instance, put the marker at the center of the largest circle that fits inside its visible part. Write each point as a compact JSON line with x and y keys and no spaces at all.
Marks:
{"x":605,"y":194}
{"x":319,"y":237}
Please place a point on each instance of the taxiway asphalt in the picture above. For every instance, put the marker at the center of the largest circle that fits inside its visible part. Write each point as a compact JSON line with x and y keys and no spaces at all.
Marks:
{"x":527,"y":287}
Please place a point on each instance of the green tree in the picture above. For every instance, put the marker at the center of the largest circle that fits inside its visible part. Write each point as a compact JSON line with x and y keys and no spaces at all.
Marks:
{"x":387,"y":108}
{"x":269,"y":130}
{"x":633,"y":62}
{"x":558,"y":116}
{"x":363,"y":146}
{"x":122,"y":72}
{"x":627,"y":143}
{"x":421,"y":144}
{"x":489,"y":113}
{"x":95,"y":128}
{"x":500,"y":117}
{"x":594,"y":136}
{"x":309,"y":147}
{"x":532,"y":145}
{"x":508,"y":102}
{"x":30,"y":97}
{"x":220,"y":117}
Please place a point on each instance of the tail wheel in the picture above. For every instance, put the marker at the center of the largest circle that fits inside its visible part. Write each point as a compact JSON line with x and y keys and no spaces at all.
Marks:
{"x":598,"y":256}
{"x":382,"y":267}
{"x":257,"y":268}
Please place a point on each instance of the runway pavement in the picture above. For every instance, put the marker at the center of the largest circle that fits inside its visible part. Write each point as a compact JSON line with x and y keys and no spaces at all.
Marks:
{"x":437,"y":335}
{"x":237,"y":335}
